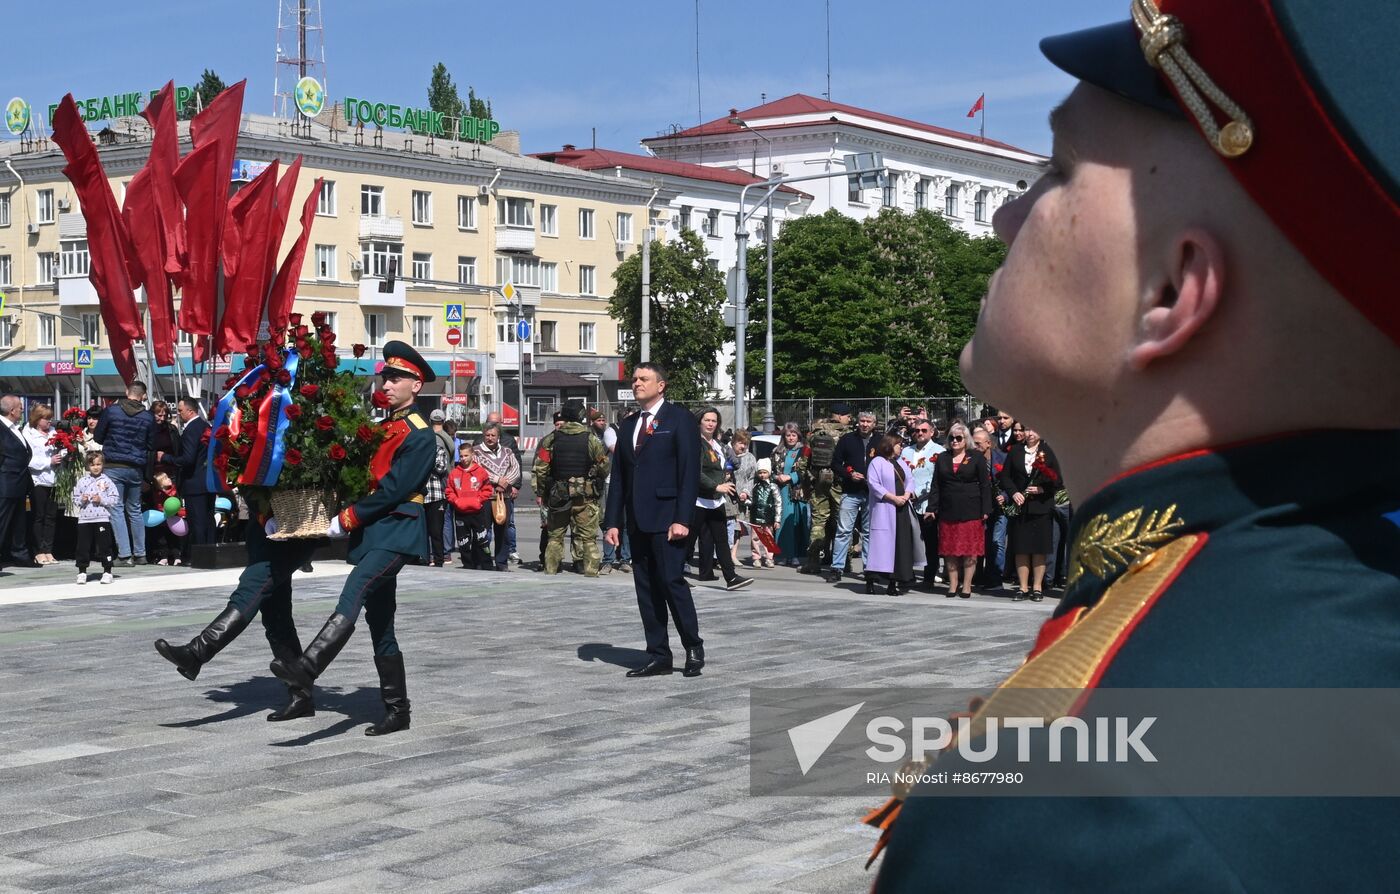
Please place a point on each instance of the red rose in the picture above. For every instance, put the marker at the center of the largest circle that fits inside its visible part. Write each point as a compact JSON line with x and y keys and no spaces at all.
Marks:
{"x":278,"y":338}
{"x":325,"y":423}
{"x":328,"y":337}
{"x":305,"y":352}
{"x":242,"y":392}
{"x":284,"y":377}
{"x":294,"y":319}
{"x":293,"y":412}
{"x":358,"y":350}
{"x":293,"y":457}
{"x":806,"y":451}
{"x":223,"y":433}
{"x":264,"y":377}
{"x":204,"y":438}
{"x":380,"y":400}
{"x":318,"y":318}
{"x":243,"y":449}
{"x":336,"y":453}
{"x":310,"y":391}
{"x":302,"y":332}
{"x":274,"y":361}
{"x":221,"y":461}
{"x":331,"y":360}
{"x":365,"y":433}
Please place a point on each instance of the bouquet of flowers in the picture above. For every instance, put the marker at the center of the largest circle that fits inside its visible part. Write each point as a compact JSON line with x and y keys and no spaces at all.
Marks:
{"x":67,"y":435}
{"x":293,"y":430}
{"x":1042,"y":476}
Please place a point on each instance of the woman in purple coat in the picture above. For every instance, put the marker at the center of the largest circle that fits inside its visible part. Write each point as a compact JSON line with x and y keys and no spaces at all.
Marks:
{"x":895,"y":549}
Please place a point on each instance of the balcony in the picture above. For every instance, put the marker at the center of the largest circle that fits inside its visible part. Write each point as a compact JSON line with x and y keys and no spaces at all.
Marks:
{"x":375,"y":292}
{"x":380,"y":227}
{"x":514,"y":238}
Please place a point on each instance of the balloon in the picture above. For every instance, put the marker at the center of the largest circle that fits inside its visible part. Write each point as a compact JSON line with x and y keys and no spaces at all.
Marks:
{"x":177,"y":526}
{"x":223,"y":504}
{"x":154,"y":517}
{"x":172,"y":505}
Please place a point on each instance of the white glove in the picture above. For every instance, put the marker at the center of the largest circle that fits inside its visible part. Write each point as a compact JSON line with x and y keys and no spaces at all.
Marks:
{"x":270,"y":526}
{"x":336,"y":532}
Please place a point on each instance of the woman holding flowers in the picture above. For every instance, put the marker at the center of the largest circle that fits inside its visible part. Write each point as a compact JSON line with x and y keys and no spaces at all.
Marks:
{"x":1031,"y":476}
{"x":45,"y":457}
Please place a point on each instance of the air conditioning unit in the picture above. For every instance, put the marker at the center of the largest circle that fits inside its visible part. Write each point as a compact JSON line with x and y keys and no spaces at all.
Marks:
{"x":484,"y":191}
{"x":65,"y":205}
{"x":356,"y":268}
{"x":778,"y":169}
{"x":32,"y":229}
{"x":622,"y":246}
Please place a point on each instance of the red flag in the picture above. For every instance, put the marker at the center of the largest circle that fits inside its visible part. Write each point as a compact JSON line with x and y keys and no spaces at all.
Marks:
{"x":164,"y":159}
{"x":198,"y":180}
{"x":282,"y":208}
{"x":143,"y":223}
{"x":245,"y":290}
{"x":112,"y":256}
{"x":284,"y":290}
{"x":215,"y":129}
{"x":977,"y":106}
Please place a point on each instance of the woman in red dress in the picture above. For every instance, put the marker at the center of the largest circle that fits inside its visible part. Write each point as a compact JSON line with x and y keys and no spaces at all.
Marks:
{"x":961,"y":500}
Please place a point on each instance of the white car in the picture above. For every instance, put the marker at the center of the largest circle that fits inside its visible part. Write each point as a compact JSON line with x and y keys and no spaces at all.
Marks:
{"x":762,"y":446}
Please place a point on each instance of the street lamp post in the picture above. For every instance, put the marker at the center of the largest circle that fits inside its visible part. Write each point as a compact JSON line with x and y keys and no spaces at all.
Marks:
{"x":768,"y":417}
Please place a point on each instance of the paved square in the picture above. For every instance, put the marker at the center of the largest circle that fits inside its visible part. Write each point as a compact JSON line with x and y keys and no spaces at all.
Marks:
{"x":532,"y":764}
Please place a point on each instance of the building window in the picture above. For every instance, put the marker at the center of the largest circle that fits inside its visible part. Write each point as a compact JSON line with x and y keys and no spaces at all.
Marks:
{"x":889,"y":196}
{"x":469,"y":333}
{"x":5,"y":210}
{"x":624,"y":227}
{"x":523,"y":271}
{"x":379,"y":257}
{"x":5,"y":270}
{"x":48,"y":268}
{"x":540,"y":409}
{"x":854,"y":194}
{"x":505,"y":329}
{"x":466,"y":213}
{"x":587,"y":338}
{"x":712,"y":223}
{"x":46,"y":206}
{"x":422,"y":265}
{"x":325,"y":262}
{"x":375,"y":330}
{"x":372,"y":201}
{"x":950,"y":201}
{"x":585,"y":223}
{"x":516,"y":212}
{"x":549,"y":220}
{"x":48,"y":332}
{"x":185,"y":338}
{"x":333,"y":321}
{"x":921,"y":194}
{"x":587,"y":280}
{"x":73,"y":259}
{"x":325,"y":200}
{"x":92,"y":329}
{"x":6,"y":339}
{"x":422,"y":207}
{"x":547,"y":337}
{"x":549,"y":277}
{"x":712,"y":263}
{"x":684,"y":218}
{"x":979,"y":206}
{"x":466,"y":270}
{"x":422,"y":332}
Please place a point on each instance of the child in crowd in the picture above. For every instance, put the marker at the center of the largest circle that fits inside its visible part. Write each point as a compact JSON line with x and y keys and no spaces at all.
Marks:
{"x":164,"y":547}
{"x":95,"y":498}
{"x":469,"y":491}
{"x":764,"y":510}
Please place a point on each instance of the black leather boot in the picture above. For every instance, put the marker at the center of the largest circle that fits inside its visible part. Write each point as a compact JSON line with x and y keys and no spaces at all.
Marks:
{"x":299,"y":703}
{"x":812,"y":564}
{"x":188,"y":659}
{"x":303,"y":670}
{"x":694,"y":661}
{"x":394,"y":690}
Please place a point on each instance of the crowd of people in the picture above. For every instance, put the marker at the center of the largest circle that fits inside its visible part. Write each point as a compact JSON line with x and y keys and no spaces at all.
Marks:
{"x":140,"y":456}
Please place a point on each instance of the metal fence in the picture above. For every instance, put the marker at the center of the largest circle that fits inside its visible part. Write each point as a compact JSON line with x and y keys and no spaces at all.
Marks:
{"x":805,"y":412}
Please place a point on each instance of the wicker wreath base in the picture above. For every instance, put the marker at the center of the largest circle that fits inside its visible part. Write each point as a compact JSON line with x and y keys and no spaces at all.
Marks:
{"x":302,"y":513}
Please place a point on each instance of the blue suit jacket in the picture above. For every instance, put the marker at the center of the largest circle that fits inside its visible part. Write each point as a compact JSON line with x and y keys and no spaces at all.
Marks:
{"x":658,"y":484}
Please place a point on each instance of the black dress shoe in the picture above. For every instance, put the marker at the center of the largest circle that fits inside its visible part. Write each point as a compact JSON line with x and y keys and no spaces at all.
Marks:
{"x":705,"y":577}
{"x":832,"y":576}
{"x":654,"y":668}
{"x":694,"y":660}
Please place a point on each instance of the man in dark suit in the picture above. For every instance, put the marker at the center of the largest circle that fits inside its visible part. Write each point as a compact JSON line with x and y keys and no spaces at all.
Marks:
{"x":14,"y":483}
{"x":655,"y":480}
{"x":194,"y":478}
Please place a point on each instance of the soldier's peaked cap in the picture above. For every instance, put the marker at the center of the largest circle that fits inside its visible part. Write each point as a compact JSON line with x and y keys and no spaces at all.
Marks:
{"x":1298,"y":98}
{"x":404,"y":359}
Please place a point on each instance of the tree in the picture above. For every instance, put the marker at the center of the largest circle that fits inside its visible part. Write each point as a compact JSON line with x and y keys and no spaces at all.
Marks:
{"x":880,"y":307}
{"x":687,"y":327}
{"x":475,"y":107}
{"x":210,"y":85}
{"x":442,"y":95}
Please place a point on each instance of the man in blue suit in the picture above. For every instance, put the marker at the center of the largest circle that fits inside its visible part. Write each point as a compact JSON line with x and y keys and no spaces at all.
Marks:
{"x":655,"y":480}
{"x":193,"y":464}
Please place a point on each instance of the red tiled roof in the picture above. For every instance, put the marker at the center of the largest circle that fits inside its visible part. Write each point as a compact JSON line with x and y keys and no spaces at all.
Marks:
{"x":603,"y":159}
{"x":802,"y":104}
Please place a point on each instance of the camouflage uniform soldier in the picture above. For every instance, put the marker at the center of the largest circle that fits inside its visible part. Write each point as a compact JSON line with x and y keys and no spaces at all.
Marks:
{"x":570,"y":467}
{"x":814,"y":471}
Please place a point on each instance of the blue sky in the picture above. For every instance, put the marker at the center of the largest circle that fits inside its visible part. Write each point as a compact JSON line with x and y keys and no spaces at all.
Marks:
{"x":556,"y":70}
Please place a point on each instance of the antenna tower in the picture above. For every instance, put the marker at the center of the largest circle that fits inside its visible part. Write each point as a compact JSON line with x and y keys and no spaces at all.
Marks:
{"x":301,"y":51}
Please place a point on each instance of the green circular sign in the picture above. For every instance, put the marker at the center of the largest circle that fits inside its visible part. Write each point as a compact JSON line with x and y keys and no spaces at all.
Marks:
{"x":310,"y":96}
{"x":17,"y":116}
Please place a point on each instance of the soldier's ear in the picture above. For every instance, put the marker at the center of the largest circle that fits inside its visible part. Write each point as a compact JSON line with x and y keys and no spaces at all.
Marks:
{"x":1181,"y":296}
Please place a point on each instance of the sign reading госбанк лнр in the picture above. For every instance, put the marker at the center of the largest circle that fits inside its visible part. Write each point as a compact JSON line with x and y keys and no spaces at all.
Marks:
{"x":421,"y":121}
{"x":121,"y":105}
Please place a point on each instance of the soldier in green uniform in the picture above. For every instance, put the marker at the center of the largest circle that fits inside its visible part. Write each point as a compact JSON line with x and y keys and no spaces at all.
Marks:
{"x":386,"y":531}
{"x":570,"y":467}
{"x":814,"y":471}
{"x":264,"y":589}
{"x":1198,"y":309}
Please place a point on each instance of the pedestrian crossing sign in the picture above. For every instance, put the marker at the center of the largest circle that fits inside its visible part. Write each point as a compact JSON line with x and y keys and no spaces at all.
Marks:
{"x":82,"y":357}
{"x":452,"y":313}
